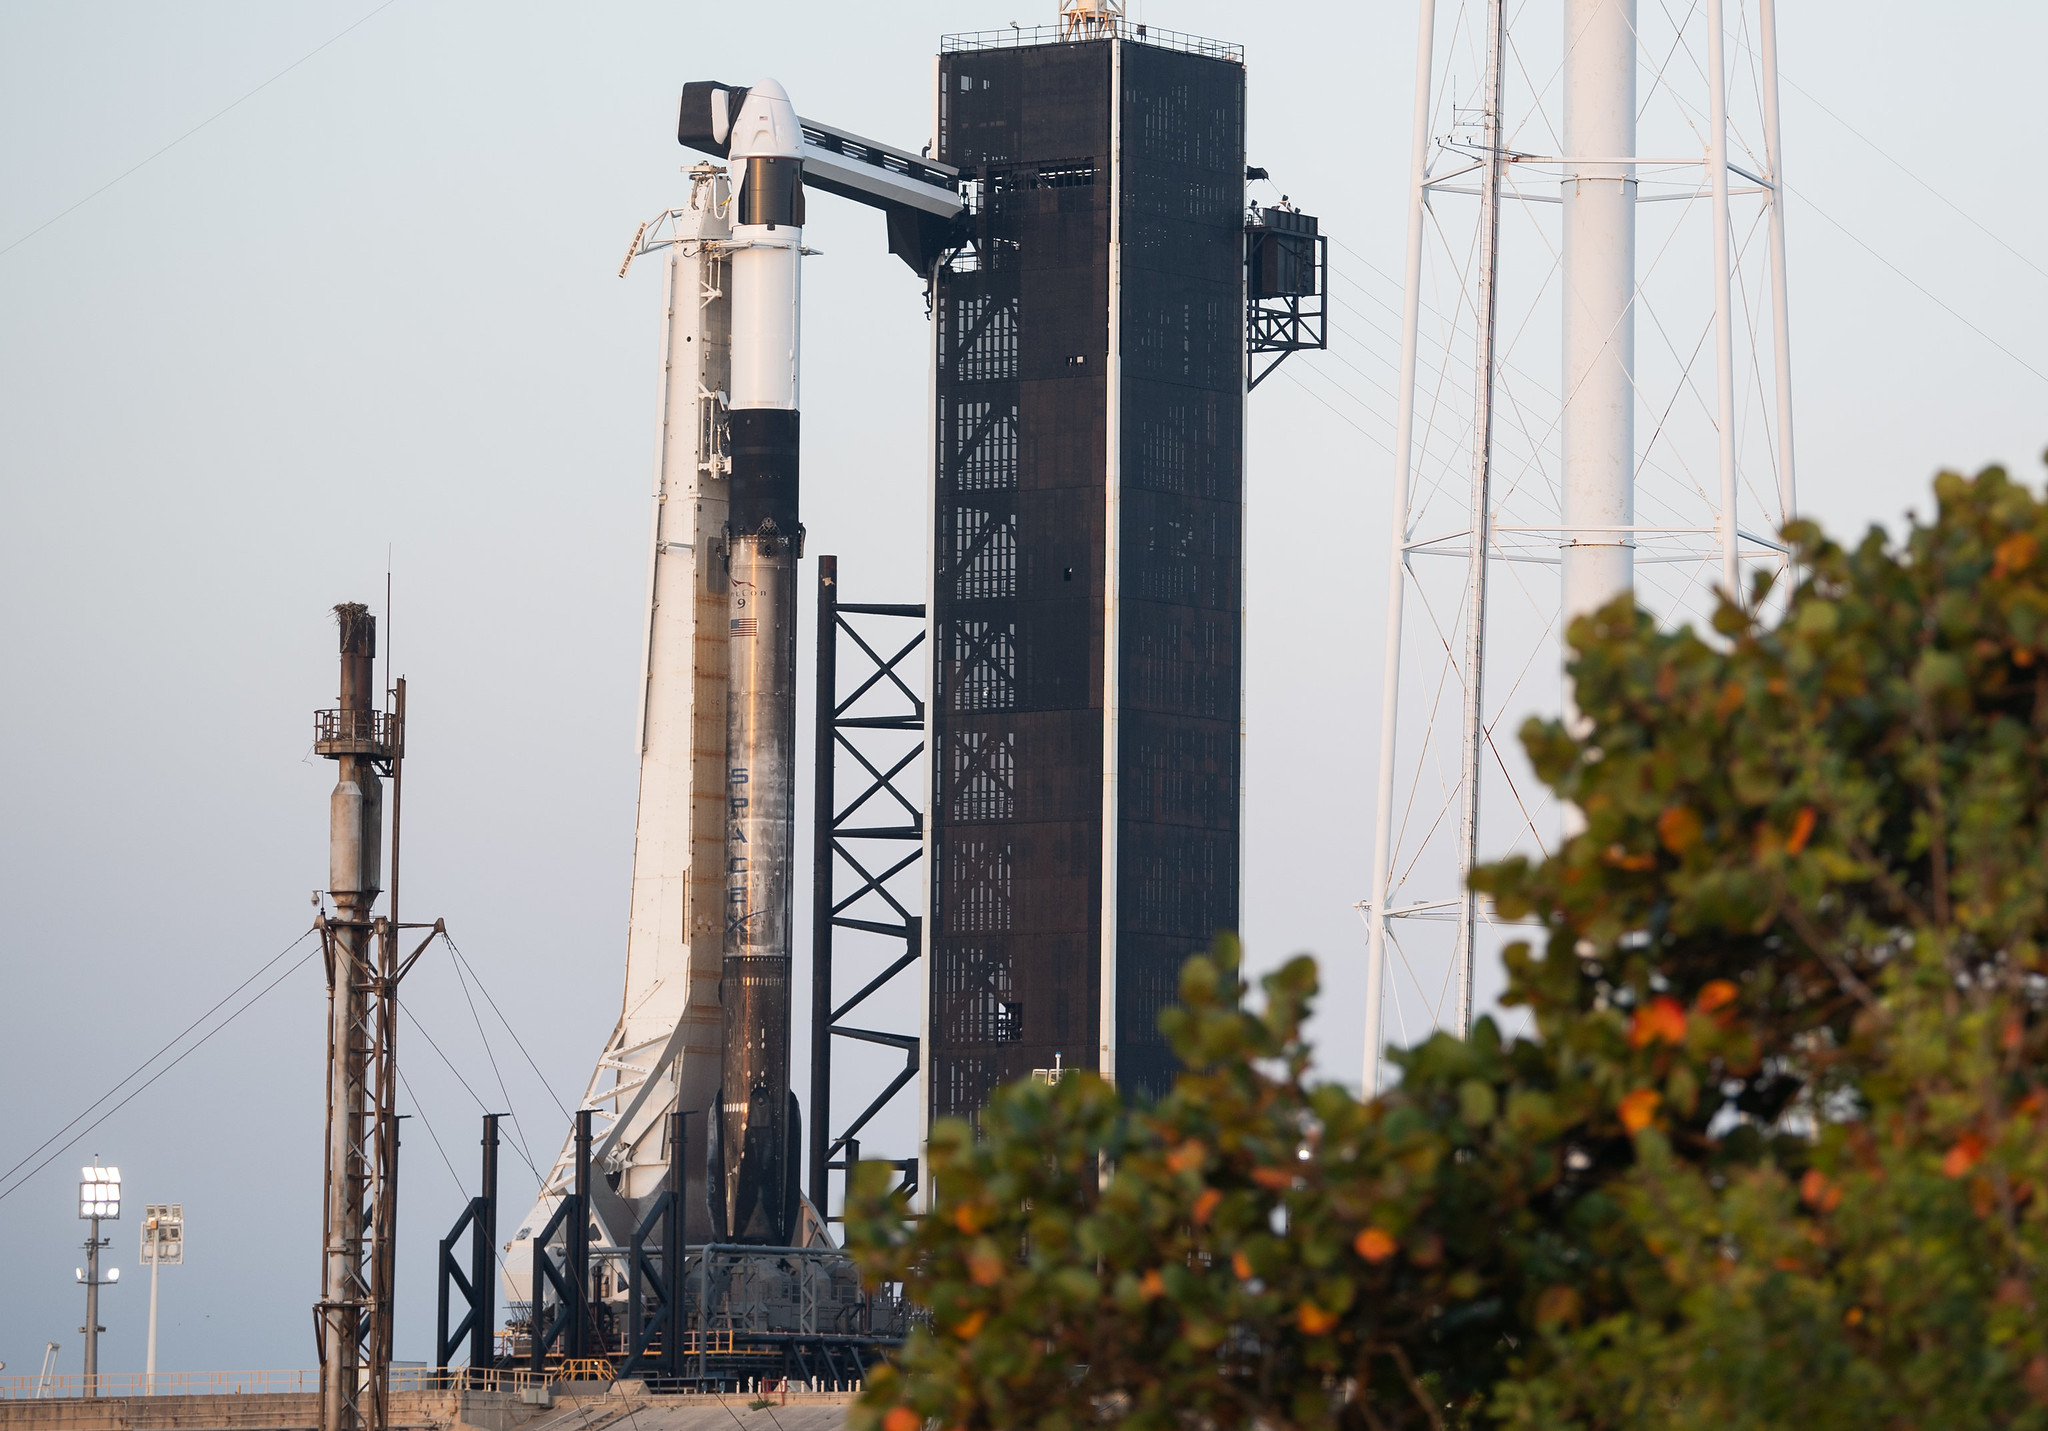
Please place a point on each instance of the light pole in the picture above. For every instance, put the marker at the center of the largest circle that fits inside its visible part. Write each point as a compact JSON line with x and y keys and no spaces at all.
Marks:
{"x":163,"y":1245}
{"x":99,"y":1196}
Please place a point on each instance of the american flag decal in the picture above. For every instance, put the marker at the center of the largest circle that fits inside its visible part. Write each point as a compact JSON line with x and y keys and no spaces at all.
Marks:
{"x":743,"y":626}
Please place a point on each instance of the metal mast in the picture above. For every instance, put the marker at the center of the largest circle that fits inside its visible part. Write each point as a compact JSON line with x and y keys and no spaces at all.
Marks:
{"x":1596,"y":552}
{"x":1472,"y":745}
{"x":1724,"y":317}
{"x":353,"y":1353}
{"x":1781,"y":326}
{"x":1397,"y":558}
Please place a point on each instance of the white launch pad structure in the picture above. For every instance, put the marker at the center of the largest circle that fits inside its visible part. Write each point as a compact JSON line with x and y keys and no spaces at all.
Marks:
{"x":1654,"y":457}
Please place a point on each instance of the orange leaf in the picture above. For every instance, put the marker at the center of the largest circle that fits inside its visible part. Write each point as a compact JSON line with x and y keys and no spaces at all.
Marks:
{"x":1853,"y":1317}
{"x":1679,"y":829}
{"x":1662,"y":1018}
{"x":1313,"y":1319}
{"x":902,"y":1418}
{"x":1963,"y":1156}
{"x":2015,"y":553}
{"x":1153,"y":1285}
{"x":1188,"y":1157}
{"x":1717,"y":994}
{"x":1639,"y":1109}
{"x":969,"y":1327}
{"x":1557,"y":1304}
{"x":1205,"y":1205}
{"x":1375,"y":1245}
{"x":1620,"y":858}
{"x":1241,"y":1265}
{"x":2013,"y":1034}
{"x":1273,"y":1179}
{"x":1818,"y":1193}
{"x":1729,"y":701}
{"x":985,"y":1267}
{"x":971,"y":1218}
{"x":1802,"y":830}
{"x":2035,"y":1379}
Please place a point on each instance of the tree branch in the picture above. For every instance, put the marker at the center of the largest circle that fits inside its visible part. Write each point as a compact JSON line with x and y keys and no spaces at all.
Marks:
{"x":1429,"y":1408}
{"x":1844,"y":975}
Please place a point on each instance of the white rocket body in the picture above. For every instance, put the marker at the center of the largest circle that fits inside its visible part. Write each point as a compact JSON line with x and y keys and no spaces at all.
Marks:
{"x":665,"y":1050}
{"x":730,"y":390}
{"x":755,"y":1131}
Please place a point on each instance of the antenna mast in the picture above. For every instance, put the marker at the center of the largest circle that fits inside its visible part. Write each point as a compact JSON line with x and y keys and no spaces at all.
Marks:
{"x":1472,"y":746}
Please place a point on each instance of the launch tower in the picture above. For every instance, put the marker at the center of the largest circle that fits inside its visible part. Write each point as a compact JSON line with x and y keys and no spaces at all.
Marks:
{"x":1086,"y":599}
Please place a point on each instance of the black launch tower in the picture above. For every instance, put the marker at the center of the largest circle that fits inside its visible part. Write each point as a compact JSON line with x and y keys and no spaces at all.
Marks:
{"x":1087,"y":600}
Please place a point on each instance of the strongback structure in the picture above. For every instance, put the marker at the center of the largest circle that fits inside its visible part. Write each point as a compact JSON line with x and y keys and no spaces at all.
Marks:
{"x":1086,"y":598}
{"x":666,"y":1048}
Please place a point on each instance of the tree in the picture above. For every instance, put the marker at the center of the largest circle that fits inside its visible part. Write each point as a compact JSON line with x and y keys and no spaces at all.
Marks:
{"x":1773,"y":1158}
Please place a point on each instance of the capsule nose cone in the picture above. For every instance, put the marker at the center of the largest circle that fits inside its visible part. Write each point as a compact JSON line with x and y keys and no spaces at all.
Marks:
{"x":766,"y":126}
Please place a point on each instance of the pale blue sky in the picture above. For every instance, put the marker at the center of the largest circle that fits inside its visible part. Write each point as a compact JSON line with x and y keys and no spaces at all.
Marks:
{"x":376,"y":304}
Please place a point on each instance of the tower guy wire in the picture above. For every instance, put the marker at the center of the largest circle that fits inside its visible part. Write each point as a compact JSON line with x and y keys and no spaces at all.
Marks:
{"x":23,"y":1180}
{"x":144,"y":163}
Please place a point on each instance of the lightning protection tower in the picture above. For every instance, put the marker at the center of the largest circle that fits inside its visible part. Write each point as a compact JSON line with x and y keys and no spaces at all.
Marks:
{"x":1594,"y":386}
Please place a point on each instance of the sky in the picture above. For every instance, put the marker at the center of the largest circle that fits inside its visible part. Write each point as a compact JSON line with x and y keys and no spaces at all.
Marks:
{"x":293,"y":295}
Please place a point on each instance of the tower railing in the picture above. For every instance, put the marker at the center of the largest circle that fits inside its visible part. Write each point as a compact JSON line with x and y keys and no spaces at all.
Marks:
{"x":1015,"y":37}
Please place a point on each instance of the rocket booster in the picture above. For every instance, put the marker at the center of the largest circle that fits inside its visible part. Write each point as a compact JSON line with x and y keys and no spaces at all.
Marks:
{"x":754,"y":1128}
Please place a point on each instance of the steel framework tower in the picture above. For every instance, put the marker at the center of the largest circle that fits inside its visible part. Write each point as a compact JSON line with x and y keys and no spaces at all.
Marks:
{"x":1560,"y":473}
{"x":1087,"y":602}
{"x":365,"y":963}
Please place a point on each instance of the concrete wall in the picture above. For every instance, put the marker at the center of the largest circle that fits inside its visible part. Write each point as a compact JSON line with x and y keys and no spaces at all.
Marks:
{"x":262,"y":1411}
{"x":584,"y":1410}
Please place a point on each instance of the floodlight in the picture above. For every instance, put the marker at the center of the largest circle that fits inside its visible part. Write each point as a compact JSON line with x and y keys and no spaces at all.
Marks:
{"x":113,"y":1274}
{"x":99,"y":1192}
{"x":79,"y":1273}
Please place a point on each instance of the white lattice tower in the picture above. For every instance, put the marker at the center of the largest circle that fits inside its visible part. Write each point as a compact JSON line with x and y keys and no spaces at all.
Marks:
{"x":1594,"y":398}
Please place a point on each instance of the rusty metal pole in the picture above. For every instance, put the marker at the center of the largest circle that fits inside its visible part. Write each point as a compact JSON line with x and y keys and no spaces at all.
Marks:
{"x":349,"y":736}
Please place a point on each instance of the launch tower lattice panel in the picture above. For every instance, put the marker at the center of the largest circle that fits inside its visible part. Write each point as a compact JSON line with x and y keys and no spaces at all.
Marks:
{"x":1087,"y":598}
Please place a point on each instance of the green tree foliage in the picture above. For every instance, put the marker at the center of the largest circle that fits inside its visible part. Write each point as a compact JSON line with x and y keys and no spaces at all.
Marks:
{"x":1775,"y":1157}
